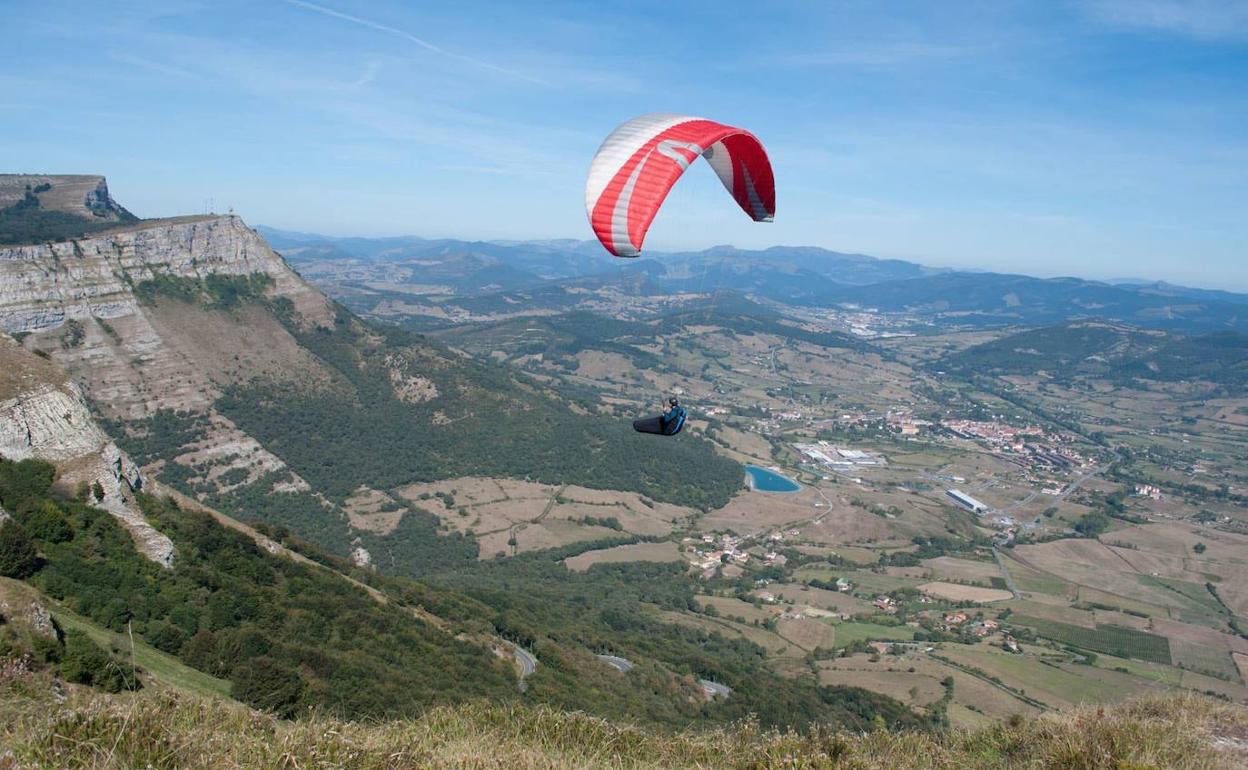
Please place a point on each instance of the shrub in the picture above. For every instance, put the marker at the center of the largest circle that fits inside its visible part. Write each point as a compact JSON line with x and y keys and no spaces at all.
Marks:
{"x":266,"y":684}
{"x":18,"y":558}
{"x":84,"y":662}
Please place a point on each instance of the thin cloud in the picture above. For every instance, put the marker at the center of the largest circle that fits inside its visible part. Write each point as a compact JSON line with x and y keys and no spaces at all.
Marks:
{"x":159,"y":67}
{"x":425,"y":44}
{"x":884,"y":55}
{"x":1211,"y":19}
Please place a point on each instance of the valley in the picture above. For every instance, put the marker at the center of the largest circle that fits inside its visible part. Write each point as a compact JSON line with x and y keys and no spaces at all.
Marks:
{"x":1076,"y":453}
{"x":969,"y":520}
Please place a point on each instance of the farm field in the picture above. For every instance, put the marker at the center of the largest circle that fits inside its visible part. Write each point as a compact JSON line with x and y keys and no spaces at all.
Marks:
{"x":661,"y":552}
{"x":975,"y":701}
{"x":1113,"y":640}
{"x":538,"y":516}
{"x":963,"y":570}
{"x":960,"y":593}
{"x":775,"y":645}
{"x":821,"y":598}
{"x":731,"y":608}
{"x":1058,"y":685}
{"x":848,"y":632}
{"x":806,"y":633}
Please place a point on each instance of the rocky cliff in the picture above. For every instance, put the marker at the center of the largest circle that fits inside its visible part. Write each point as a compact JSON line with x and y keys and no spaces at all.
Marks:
{"x":80,"y":304}
{"x":80,"y":195}
{"x":43,"y":415}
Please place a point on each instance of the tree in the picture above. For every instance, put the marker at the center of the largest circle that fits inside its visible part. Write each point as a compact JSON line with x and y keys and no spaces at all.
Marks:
{"x":266,"y":684}
{"x":18,"y":557}
{"x":47,"y":523}
{"x":84,"y":662}
{"x":1199,"y":548}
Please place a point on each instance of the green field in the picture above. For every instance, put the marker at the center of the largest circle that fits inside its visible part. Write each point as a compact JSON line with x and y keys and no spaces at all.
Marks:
{"x":848,"y":633}
{"x":164,"y":667}
{"x":1111,"y":640}
{"x":1195,"y":603}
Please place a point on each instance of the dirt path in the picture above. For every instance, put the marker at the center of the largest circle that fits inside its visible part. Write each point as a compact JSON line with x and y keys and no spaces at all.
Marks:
{"x":1005,"y":572}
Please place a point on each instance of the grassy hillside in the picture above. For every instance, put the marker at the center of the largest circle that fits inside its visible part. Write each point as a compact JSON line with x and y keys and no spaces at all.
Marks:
{"x":290,"y":637}
{"x":387,"y":408}
{"x":469,"y":418}
{"x":183,"y":731}
{"x":286,"y":635}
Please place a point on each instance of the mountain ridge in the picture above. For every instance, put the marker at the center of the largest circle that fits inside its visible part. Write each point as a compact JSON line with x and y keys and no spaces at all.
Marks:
{"x":797,"y":275}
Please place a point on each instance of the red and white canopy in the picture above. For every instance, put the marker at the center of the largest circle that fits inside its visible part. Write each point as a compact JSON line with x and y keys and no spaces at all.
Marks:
{"x":640,"y":161}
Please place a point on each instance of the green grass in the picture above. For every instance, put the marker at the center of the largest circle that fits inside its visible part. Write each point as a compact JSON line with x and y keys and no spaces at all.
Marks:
{"x":1193,"y":600}
{"x":166,"y":668}
{"x":1039,"y":680}
{"x":1113,"y":640}
{"x":848,"y":633}
{"x":880,"y":584}
{"x":1204,"y":659}
{"x":1167,"y":675}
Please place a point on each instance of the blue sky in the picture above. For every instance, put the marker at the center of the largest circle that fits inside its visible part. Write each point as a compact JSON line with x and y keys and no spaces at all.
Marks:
{"x":1102,"y":138}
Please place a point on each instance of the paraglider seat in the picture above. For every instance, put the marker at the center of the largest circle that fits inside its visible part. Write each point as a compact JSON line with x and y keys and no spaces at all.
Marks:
{"x":668,"y":424}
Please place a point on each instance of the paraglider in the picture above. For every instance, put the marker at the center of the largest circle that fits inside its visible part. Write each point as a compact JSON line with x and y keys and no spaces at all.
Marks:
{"x":640,"y":161}
{"x":637,"y":166}
{"x":667,"y":424}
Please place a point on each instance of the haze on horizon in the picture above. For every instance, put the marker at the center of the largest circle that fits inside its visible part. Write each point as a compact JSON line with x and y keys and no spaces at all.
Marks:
{"x":1100,"y":138}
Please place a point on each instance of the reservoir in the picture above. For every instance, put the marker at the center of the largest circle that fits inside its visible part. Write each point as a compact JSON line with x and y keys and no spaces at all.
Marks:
{"x":763,"y":480}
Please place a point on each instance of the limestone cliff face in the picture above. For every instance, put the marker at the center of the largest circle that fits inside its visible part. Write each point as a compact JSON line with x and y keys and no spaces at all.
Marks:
{"x":76,"y":303}
{"x":42,"y":286}
{"x":43,"y":416}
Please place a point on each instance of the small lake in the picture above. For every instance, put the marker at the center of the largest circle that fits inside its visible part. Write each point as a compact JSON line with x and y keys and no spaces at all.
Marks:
{"x":763,"y":480}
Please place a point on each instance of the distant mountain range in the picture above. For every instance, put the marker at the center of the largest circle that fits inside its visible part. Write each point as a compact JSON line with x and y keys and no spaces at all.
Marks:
{"x":797,"y":275}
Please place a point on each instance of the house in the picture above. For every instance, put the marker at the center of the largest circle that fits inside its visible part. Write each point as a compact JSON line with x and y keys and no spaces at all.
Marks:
{"x":992,"y":624}
{"x":843,"y":585}
{"x":882,"y":648}
{"x":885,"y":603}
{"x":766,"y":596}
{"x":955,"y":618}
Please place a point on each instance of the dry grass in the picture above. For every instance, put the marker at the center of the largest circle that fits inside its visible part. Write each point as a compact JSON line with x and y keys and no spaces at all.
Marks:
{"x":957,"y":593}
{"x":665,"y":551}
{"x":165,"y":730}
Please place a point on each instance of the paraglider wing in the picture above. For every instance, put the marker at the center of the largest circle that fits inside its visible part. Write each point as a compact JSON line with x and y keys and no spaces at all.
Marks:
{"x":639,"y":162}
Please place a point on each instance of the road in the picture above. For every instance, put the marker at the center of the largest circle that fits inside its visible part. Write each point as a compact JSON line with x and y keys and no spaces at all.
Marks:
{"x":623,"y":665}
{"x":1005,"y":572}
{"x":528,"y":663}
{"x":713,"y":689}
{"x":1072,"y":486}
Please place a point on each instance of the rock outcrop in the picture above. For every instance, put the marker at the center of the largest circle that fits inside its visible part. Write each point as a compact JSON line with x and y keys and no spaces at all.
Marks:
{"x":79,"y":304}
{"x":43,"y":415}
{"x":42,"y":286}
{"x":82,"y":195}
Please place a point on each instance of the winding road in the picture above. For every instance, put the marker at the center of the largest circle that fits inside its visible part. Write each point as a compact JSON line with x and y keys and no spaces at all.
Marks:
{"x":623,"y":665}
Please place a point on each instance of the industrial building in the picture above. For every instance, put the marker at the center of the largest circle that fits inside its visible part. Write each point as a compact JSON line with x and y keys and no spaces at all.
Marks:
{"x":967,"y":501}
